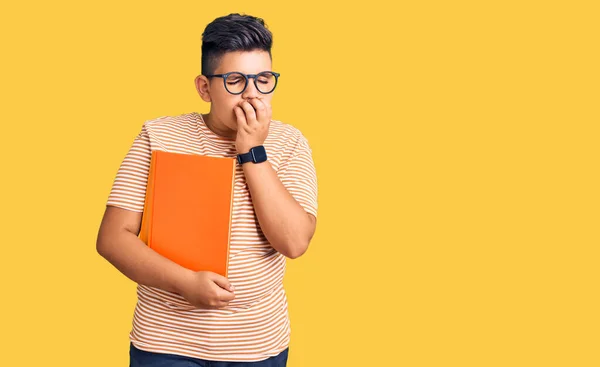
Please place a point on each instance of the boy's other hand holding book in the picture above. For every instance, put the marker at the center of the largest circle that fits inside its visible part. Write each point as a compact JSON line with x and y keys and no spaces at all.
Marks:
{"x":205,"y":289}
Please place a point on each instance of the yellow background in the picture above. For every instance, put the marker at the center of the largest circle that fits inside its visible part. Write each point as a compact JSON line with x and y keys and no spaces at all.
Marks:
{"x":456,"y":145}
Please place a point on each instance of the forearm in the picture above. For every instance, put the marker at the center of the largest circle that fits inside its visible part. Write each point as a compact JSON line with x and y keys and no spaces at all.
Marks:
{"x":285,"y":224}
{"x":134,"y":259}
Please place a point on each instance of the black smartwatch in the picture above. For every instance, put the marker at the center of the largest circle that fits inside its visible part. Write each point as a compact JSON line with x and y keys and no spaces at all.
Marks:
{"x":256,"y":155}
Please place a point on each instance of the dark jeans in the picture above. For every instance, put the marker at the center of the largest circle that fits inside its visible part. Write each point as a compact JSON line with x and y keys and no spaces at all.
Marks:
{"x":141,"y":358}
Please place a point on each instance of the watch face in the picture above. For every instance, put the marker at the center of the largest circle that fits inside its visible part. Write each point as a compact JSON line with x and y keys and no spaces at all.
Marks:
{"x":259,"y":154}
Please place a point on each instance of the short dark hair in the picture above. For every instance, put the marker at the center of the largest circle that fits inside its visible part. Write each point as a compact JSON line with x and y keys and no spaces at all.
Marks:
{"x":233,"y":32}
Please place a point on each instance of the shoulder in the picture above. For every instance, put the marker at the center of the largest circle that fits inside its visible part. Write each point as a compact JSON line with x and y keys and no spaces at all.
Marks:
{"x":169,"y":123}
{"x":286,"y":134}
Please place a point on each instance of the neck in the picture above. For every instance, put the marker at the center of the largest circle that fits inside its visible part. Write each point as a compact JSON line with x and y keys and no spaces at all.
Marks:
{"x":218,"y":127}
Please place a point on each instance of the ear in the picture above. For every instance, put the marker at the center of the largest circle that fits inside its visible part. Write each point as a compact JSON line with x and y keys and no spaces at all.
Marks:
{"x":202,"y":87}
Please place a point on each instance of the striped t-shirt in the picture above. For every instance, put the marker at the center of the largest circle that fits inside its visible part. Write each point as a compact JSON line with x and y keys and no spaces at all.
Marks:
{"x":255,"y":325}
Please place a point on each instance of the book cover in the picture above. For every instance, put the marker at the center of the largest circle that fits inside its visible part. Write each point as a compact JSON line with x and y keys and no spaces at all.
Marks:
{"x":187,"y":212}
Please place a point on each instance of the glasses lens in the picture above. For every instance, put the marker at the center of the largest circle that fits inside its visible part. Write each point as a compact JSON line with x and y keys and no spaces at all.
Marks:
{"x":235,"y":83}
{"x":266,"y":82}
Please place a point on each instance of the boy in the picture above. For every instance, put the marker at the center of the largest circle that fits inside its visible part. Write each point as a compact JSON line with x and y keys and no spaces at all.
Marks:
{"x":201,"y":318}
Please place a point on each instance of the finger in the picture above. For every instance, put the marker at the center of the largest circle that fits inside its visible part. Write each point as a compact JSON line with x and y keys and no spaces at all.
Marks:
{"x":270,"y":110}
{"x":216,"y":305}
{"x":249,"y":111}
{"x":222,"y":282}
{"x":241,"y":118}
{"x":266,"y":103}
{"x":260,"y":108}
{"x":223,"y":305}
{"x":224,"y":295}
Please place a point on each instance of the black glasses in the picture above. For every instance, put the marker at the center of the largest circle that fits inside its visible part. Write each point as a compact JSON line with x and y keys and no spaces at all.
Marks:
{"x":236,"y":82}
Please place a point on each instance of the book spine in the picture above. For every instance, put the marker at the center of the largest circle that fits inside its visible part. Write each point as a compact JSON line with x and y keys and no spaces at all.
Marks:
{"x":230,"y":217}
{"x":147,"y":216}
{"x":152,"y":182}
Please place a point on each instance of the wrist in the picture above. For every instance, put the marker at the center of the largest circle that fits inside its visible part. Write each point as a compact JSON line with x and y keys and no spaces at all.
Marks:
{"x":181,"y":281}
{"x":245,"y":148}
{"x":255,"y":154}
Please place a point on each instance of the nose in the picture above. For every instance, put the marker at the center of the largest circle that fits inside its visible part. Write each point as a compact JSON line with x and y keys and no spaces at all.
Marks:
{"x":250,"y":91}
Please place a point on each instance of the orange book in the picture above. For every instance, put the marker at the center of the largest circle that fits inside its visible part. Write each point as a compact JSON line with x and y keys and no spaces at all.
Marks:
{"x":187,"y":212}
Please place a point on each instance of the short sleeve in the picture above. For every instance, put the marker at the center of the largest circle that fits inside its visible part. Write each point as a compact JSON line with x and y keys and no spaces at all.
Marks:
{"x":299,"y":177}
{"x":129,"y":187}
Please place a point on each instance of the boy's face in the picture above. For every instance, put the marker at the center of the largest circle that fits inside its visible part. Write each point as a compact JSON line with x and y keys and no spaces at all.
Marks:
{"x":213,"y":89}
